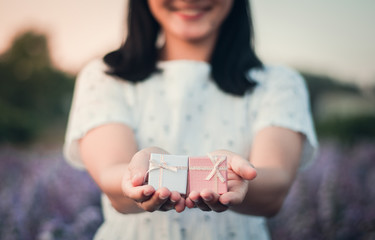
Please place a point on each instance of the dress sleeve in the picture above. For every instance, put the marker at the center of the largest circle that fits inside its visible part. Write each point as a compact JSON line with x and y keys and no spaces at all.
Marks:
{"x":283,"y":101}
{"x":98,"y":99}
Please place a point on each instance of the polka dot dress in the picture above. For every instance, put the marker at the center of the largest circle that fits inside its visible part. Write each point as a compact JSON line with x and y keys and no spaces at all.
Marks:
{"x":181,"y":110}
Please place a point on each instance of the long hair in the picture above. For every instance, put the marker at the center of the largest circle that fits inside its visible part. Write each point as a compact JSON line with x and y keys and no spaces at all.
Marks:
{"x":233,"y":55}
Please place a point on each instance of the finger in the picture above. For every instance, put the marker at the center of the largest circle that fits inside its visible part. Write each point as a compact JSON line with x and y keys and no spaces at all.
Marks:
{"x":168,"y":205}
{"x":175,"y":196}
{"x":208,"y":196}
{"x":131,"y":189}
{"x":137,"y":179}
{"x":171,"y":202}
{"x":139,"y":162}
{"x":232,"y":176}
{"x":238,"y":164}
{"x":189,"y":203}
{"x":198,"y":201}
{"x":180,"y":205}
{"x":230,"y":198}
{"x":202,"y":205}
{"x":139,"y":194}
{"x":159,"y":198}
{"x":211,"y":199}
{"x":242,"y":167}
{"x":194,"y":196}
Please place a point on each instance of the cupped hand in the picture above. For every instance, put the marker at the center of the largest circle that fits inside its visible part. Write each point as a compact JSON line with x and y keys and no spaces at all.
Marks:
{"x":145,"y":196}
{"x":240,"y":172}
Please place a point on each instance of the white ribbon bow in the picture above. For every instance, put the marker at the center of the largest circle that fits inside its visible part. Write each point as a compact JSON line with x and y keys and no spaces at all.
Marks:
{"x":155,"y":165}
{"x":216,"y":160}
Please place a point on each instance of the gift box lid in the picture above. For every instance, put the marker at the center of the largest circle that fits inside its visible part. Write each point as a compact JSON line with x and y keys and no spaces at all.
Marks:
{"x":168,"y":171}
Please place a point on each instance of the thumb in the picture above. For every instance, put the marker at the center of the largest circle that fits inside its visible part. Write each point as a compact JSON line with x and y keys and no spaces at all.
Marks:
{"x":242,"y":167}
{"x":138,"y":167}
{"x":139,"y":164}
{"x":138,"y":179}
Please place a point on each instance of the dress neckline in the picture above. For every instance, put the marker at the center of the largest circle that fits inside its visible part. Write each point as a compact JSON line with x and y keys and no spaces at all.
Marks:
{"x":182,"y":62}
{"x":185,"y":71}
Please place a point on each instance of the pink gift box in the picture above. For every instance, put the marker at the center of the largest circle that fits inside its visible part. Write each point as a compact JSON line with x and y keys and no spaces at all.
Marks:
{"x":208,"y":173}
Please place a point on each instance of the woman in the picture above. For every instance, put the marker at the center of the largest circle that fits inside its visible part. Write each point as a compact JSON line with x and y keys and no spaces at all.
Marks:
{"x":203,"y":89}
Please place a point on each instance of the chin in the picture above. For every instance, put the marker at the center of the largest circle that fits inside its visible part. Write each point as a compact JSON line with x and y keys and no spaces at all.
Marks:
{"x":195,"y":36}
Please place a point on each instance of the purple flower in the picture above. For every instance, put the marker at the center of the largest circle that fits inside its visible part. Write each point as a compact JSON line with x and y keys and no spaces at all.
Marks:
{"x":333,"y":199}
{"x":42,"y":197}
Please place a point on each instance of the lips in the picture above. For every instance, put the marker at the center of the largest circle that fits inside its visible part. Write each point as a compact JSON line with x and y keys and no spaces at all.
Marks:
{"x":191,"y":13}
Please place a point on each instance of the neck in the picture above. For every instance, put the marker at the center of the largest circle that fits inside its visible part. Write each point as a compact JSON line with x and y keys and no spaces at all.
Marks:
{"x":175,"y":49}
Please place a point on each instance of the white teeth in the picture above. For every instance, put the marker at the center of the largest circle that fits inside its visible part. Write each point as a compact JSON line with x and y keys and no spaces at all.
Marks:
{"x":190,"y":12}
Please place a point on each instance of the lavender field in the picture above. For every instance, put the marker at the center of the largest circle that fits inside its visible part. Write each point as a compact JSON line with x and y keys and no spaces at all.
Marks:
{"x":334,"y":198}
{"x":41,"y":197}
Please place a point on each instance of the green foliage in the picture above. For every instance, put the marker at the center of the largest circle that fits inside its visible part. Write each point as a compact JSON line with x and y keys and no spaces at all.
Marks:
{"x":318,"y":85}
{"x":348,"y":130}
{"x":33,"y":94}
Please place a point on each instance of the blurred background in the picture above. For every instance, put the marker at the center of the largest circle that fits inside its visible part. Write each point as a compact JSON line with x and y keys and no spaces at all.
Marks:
{"x":44,"y":43}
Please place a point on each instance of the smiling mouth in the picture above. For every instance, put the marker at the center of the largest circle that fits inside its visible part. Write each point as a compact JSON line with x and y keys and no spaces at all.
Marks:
{"x":191,"y":14}
{"x":190,"y":11}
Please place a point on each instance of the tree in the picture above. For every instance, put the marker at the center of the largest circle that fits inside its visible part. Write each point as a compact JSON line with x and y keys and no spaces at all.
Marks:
{"x":33,"y":93}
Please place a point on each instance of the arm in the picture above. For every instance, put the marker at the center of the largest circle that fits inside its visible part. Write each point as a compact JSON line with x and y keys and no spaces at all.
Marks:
{"x":275,"y":153}
{"x":106,"y":152}
{"x":109,"y":153}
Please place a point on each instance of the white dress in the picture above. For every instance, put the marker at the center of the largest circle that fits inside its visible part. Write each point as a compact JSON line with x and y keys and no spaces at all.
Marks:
{"x":181,"y":109}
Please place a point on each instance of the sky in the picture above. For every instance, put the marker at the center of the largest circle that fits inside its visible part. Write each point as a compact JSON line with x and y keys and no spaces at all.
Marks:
{"x":334,"y":38}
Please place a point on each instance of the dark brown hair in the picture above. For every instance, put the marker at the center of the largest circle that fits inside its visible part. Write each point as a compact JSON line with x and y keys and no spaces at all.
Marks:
{"x":232,"y":57}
